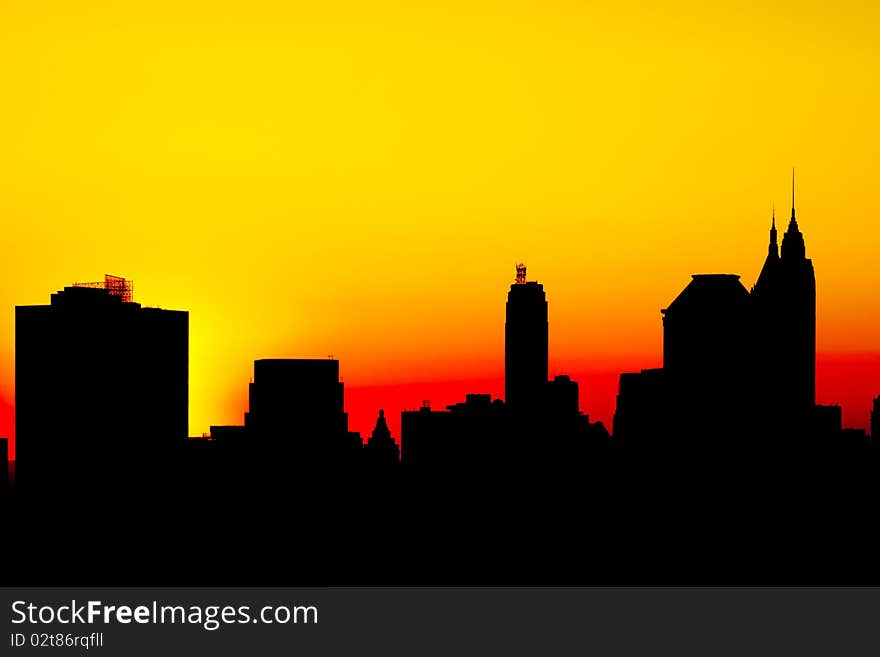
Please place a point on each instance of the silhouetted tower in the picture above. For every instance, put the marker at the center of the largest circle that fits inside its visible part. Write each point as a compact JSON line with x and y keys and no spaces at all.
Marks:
{"x":381,"y":450}
{"x":794,"y":326}
{"x":875,"y":420}
{"x":525,"y":343}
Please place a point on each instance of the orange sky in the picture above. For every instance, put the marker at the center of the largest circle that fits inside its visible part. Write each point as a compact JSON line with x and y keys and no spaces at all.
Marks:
{"x":359,"y":179}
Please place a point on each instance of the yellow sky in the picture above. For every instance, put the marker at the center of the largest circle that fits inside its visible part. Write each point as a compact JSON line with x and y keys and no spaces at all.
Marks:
{"x":360,"y":179}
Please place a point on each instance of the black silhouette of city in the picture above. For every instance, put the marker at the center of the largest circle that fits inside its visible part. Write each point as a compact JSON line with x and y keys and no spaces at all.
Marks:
{"x":720,"y":467}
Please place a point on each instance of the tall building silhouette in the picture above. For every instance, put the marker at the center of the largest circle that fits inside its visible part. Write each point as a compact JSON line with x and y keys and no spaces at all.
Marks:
{"x":526,"y":332}
{"x":101,"y":387}
{"x":784,"y":315}
{"x":539,"y":425}
{"x":797,"y":348}
{"x":735,"y":363}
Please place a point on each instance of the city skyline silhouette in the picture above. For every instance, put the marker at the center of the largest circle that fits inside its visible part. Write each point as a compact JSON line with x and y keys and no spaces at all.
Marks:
{"x":723,"y":445}
{"x":285,"y":173}
{"x":439,"y":293}
{"x":599,"y":383}
{"x":763,"y":292}
{"x":847,"y":376}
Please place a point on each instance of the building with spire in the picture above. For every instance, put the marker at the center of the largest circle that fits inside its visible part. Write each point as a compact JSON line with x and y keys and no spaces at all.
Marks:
{"x":797,"y":354}
{"x":784,"y":309}
{"x":735,"y":362}
{"x":770,"y":271}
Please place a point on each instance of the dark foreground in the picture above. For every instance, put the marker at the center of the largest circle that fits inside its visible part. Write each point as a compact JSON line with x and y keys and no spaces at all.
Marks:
{"x":650,"y":519}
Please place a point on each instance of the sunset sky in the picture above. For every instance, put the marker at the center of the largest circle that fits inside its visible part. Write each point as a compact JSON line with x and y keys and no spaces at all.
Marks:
{"x":359,"y":179}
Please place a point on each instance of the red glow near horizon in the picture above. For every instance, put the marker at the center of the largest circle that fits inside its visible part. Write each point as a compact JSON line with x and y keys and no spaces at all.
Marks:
{"x":851,"y":380}
{"x":598,"y":392}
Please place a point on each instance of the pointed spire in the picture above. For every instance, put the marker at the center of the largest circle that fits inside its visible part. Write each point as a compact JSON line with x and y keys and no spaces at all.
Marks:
{"x":793,"y":248}
{"x":773,"y":249}
{"x":768,"y":271}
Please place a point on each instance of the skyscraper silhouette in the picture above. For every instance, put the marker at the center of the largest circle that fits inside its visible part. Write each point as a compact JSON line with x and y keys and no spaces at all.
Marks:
{"x":101,"y":388}
{"x":526,"y":332}
{"x":540,"y":425}
{"x":797,"y":331}
{"x":735,"y":363}
{"x":784,"y":329}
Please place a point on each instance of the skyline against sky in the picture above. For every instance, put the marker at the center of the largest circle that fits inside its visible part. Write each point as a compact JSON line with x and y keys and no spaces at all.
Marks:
{"x":360,"y":180}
